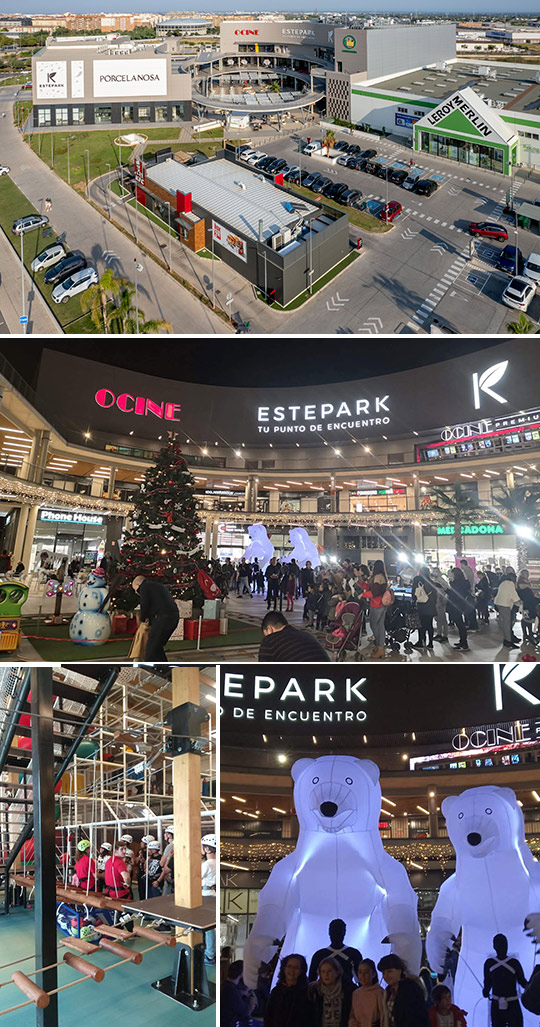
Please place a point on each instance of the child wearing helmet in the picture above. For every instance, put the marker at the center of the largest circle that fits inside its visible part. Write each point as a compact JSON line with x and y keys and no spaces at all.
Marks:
{"x":208,"y":881}
{"x":103,"y":855}
{"x":85,"y":868}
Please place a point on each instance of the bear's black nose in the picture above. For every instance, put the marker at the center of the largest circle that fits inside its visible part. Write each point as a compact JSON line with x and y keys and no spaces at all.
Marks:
{"x":474,"y":838}
{"x":328,"y":809}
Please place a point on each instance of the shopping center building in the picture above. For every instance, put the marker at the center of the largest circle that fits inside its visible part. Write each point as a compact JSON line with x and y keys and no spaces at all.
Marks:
{"x":375,"y":451}
{"x":428,"y":740}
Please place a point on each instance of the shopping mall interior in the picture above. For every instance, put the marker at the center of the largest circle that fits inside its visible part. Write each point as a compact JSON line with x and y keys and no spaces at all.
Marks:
{"x":458,"y":762}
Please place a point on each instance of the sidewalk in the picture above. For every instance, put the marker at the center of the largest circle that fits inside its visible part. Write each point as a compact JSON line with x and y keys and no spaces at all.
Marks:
{"x":41,"y":320}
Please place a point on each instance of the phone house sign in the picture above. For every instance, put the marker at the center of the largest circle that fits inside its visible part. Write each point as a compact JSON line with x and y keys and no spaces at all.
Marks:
{"x":322,"y":701}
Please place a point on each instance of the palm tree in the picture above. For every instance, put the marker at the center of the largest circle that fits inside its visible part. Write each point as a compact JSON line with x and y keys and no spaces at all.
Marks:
{"x":522,"y":327}
{"x":125,"y":319}
{"x":459,"y":505}
{"x":521,"y":506}
{"x":97,"y":299}
{"x":329,"y":140}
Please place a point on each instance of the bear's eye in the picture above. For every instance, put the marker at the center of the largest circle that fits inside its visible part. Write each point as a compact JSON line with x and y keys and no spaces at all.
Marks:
{"x":348,"y":780}
{"x":460,"y":816}
{"x":489,"y":810}
{"x":315,"y":781}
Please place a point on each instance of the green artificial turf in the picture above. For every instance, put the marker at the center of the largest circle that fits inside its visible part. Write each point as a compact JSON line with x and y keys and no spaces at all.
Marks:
{"x":55,"y":646}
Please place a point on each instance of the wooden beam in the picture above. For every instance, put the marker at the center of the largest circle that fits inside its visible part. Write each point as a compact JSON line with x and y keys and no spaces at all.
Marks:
{"x":187,"y":801}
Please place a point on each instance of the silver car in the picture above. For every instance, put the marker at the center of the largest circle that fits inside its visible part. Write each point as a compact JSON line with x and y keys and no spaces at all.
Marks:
{"x":76,"y":283}
{"x":26,"y":224}
{"x":48,"y":257}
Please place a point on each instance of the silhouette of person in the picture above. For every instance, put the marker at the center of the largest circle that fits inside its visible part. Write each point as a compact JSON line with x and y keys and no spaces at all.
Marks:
{"x":347,"y":957}
{"x":501,"y":977}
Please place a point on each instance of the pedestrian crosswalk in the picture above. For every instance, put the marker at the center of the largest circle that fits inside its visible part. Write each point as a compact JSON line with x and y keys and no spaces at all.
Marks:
{"x":427,"y":307}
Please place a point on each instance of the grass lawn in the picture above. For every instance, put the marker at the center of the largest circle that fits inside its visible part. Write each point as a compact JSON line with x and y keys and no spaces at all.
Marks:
{"x":15,"y":80}
{"x":318,"y":285}
{"x":356,"y":217}
{"x":54,"y":644}
{"x":13,"y":204}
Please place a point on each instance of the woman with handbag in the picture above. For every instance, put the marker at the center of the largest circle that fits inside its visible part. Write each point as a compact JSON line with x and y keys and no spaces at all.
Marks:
{"x":368,"y":1000}
{"x":376,"y":590}
{"x":425,"y":603}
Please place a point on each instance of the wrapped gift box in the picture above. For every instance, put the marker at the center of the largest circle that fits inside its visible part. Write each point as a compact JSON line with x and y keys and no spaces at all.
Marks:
{"x":211,"y":609}
{"x":185,"y":607}
{"x":123,"y":624}
{"x":208,"y":628}
{"x":178,"y":632}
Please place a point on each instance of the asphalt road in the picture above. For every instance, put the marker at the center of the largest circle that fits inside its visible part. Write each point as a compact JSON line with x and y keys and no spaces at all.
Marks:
{"x":421,"y":270}
{"x":160,"y":297}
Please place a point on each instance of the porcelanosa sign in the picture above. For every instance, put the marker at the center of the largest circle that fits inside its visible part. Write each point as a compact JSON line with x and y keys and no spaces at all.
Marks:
{"x":123,"y":77}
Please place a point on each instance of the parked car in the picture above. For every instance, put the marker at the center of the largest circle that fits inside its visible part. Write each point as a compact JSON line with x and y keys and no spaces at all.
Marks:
{"x":357,"y":163}
{"x":532,"y":268}
{"x":4,"y":170}
{"x":351,"y":197}
{"x":247,"y":153}
{"x":277,"y":166}
{"x":263,"y":163}
{"x":48,"y":257}
{"x":390,"y":211}
{"x":384,"y":171}
{"x":313,"y":180}
{"x":323,"y":185}
{"x":344,"y":161}
{"x":26,"y":224}
{"x":76,"y":283}
{"x":510,"y":260}
{"x":371,"y":167}
{"x":519,"y":293}
{"x":488,"y":229}
{"x":257,"y":156}
{"x":426,"y":187}
{"x":243,"y":149}
{"x":293,"y":169}
{"x":367,"y":154}
{"x":312,"y":147}
{"x":355,"y":149}
{"x":336,"y":191}
{"x":398,"y":176}
{"x":66,"y":267}
{"x":341,"y":145}
{"x":410,"y":181}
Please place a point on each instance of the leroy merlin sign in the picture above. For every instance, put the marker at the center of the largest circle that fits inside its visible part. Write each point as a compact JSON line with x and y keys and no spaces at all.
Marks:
{"x":470,"y":529}
{"x":465,"y":113}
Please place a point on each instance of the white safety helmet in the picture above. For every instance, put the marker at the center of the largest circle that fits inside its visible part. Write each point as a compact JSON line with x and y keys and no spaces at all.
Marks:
{"x":126,"y":838}
{"x":148,"y":838}
{"x":169,"y":829}
{"x":107,"y":846}
{"x":209,"y":840}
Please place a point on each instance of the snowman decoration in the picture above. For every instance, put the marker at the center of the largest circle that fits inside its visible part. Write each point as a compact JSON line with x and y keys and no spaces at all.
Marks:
{"x":91,"y":625}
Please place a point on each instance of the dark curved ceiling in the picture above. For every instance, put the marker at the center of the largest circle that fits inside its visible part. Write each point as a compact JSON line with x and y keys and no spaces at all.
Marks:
{"x":251,"y":360}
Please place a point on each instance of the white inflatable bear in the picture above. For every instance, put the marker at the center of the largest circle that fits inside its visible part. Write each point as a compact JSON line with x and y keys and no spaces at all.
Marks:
{"x":339,"y":869}
{"x":495,"y":886}
{"x":304,"y":548}
{"x":260,"y":546}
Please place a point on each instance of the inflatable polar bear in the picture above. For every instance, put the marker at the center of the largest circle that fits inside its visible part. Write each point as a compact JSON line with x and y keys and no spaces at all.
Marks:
{"x":338,"y":869}
{"x":304,"y":548}
{"x":495,"y":886}
{"x":260,"y":546}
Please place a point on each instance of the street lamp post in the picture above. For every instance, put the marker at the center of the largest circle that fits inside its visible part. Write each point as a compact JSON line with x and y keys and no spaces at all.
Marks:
{"x":23,"y":304}
{"x":516,"y":262}
{"x":69,"y":171}
{"x":170,"y":243}
{"x":107,"y":184}
{"x":213,"y":273}
{"x":138,"y":267}
{"x":87,"y":152}
{"x":121,"y":165}
{"x":387,"y":189}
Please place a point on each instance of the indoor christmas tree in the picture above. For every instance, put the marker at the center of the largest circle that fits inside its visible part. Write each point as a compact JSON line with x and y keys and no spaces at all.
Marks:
{"x":164,"y":540}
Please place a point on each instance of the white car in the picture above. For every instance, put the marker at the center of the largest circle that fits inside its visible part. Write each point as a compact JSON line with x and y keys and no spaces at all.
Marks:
{"x":79,"y":282}
{"x":532,"y":268}
{"x":4,"y":170}
{"x":312,"y":148}
{"x":254,"y":157}
{"x":246,"y":154}
{"x":519,"y":292}
{"x":48,"y":257}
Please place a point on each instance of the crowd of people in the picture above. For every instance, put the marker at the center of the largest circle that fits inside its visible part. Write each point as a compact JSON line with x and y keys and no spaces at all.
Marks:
{"x":464,"y":598}
{"x":341,"y":988}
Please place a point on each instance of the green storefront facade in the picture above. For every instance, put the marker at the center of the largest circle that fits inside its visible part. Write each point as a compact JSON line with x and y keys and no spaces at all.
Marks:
{"x":464,"y":129}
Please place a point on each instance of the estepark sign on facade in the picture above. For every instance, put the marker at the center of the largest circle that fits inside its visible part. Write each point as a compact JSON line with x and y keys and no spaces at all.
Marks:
{"x":317,"y":417}
{"x":276,"y":700}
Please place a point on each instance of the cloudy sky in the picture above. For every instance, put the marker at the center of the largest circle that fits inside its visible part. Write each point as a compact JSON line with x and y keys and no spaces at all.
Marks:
{"x":88,"y":7}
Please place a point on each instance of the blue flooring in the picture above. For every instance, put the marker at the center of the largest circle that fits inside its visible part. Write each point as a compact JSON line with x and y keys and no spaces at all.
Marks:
{"x":125,"y":992}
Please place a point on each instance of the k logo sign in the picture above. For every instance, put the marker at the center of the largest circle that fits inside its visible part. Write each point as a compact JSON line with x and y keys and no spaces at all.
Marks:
{"x":508,"y":677}
{"x":485,"y":381}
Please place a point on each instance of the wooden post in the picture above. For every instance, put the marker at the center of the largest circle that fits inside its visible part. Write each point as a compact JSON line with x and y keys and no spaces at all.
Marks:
{"x":187,"y":801}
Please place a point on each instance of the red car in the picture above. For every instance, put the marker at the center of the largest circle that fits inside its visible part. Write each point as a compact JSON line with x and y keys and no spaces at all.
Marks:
{"x":390,"y":211}
{"x":488,"y":229}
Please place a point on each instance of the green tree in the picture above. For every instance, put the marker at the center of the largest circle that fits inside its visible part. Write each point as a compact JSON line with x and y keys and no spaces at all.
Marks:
{"x":459,"y":506}
{"x":124,"y":320}
{"x":520,"y":506}
{"x":275,"y":87}
{"x":164,"y":542}
{"x":329,"y":140}
{"x":99,"y":300}
{"x":523,"y":326}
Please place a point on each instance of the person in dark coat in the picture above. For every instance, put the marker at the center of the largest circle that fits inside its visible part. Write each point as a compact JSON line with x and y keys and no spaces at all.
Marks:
{"x":501,"y":978}
{"x":273,"y":578}
{"x":330,"y":996}
{"x":235,"y":1004}
{"x":306,"y":577}
{"x":425,"y":603}
{"x":405,"y":1001}
{"x":459,"y":604}
{"x":347,"y":956}
{"x":483,"y":596}
{"x":288,"y":1004}
{"x":159,"y":610}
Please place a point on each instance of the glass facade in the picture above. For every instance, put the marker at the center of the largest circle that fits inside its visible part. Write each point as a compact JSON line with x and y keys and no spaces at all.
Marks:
{"x":477,"y":155}
{"x":161,"y":112}
{"x":144,"y":113}
{"x":61,"y":116}
{"x":127,"y":112}
{"x":78,"y":115}
{"x":44,"y":116}
{"x":103,"y":115}
{"x":177,"y":112}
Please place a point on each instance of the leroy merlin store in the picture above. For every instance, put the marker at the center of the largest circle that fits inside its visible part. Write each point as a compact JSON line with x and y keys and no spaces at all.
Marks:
{"x":482,"y":115}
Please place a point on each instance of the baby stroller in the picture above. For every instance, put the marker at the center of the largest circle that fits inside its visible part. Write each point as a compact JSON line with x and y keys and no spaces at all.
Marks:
{"x":345,"y":635}
{"x":401,"y":621}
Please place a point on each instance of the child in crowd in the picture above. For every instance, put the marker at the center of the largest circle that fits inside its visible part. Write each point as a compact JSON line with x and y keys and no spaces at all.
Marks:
{"x":443,"y":1013}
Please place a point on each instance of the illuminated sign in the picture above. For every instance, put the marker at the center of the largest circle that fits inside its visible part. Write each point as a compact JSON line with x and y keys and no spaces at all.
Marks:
{"x":140,"y":171}
{"x":70,"y":517}
{"x":485,"y":381}
{"x":51,"y":80}
{"x":295,"y":700}
{"x":378,"y":492}
{"x":349,"y":43}
{"x":471,"y":529}
{"x":491,"y":737}
{"x":231,"y":242}
{"x":318,"y":416}
{"x":246,"y":32}
{"x":458,"y":103}
{"x":511,"y":676}
{"x":129,"y":404}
